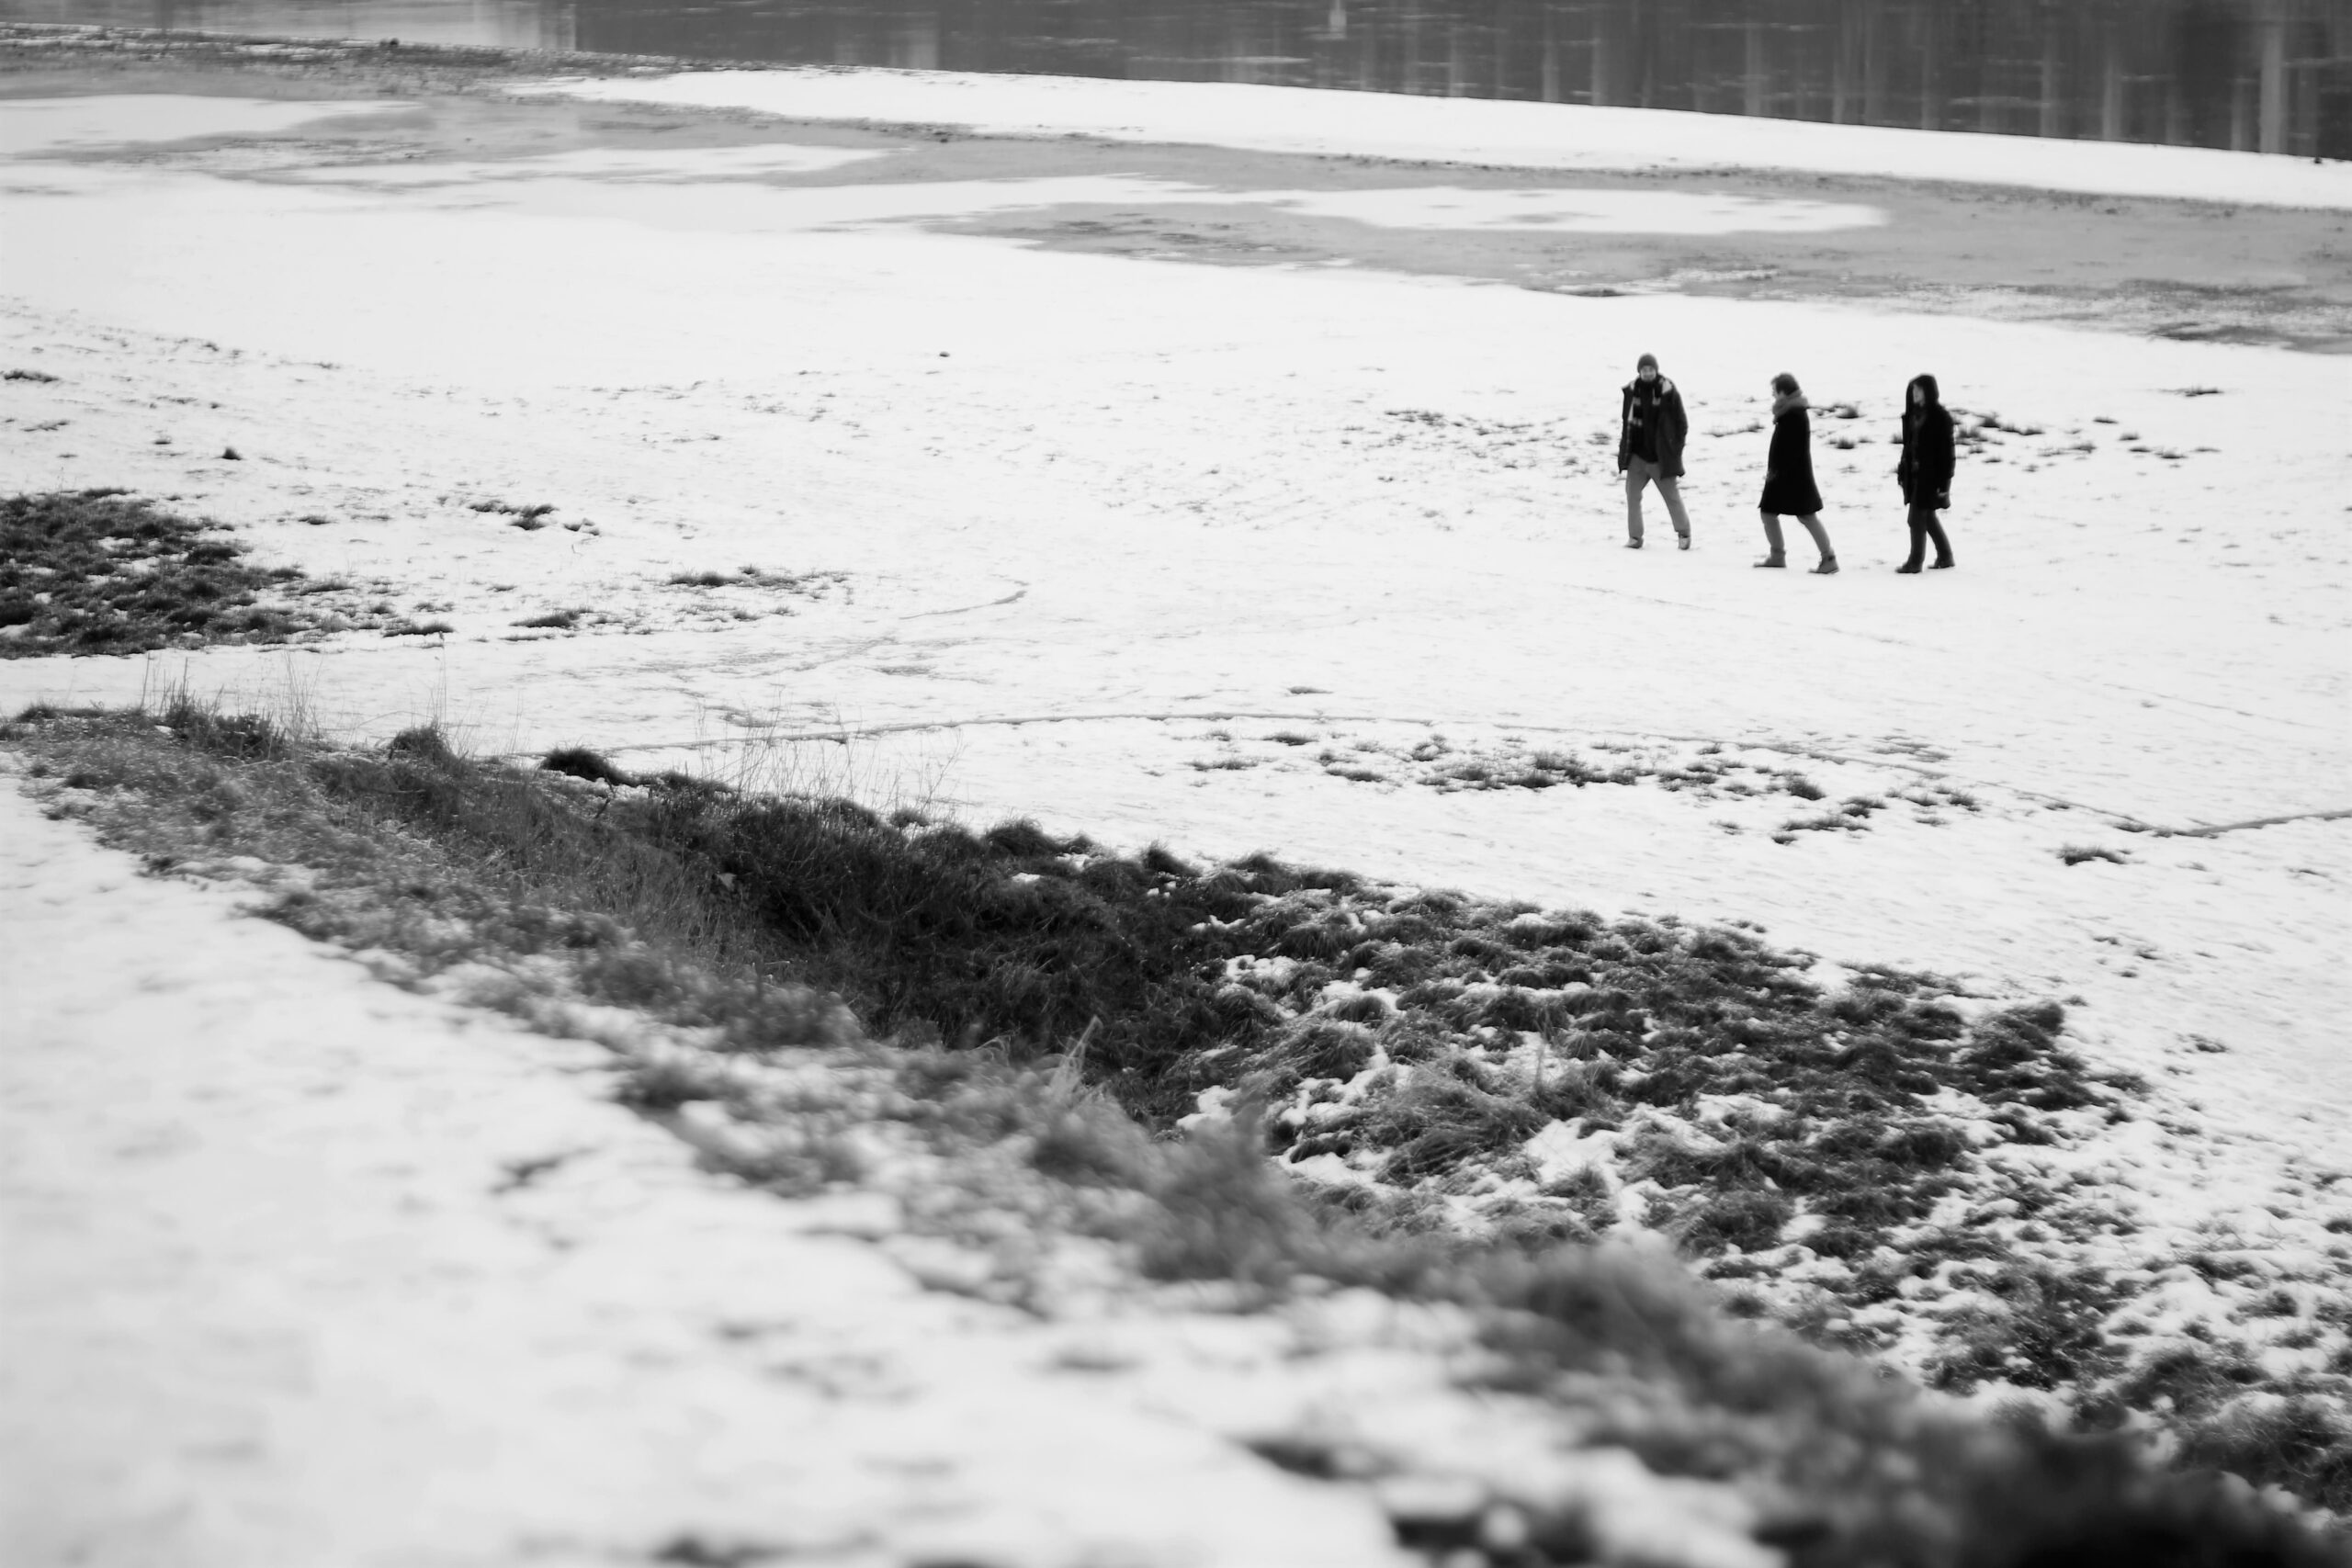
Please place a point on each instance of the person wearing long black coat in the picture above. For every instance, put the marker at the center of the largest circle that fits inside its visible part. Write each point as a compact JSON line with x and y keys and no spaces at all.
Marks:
{"x":1788,"y":478}
{"x":1925,"y":470}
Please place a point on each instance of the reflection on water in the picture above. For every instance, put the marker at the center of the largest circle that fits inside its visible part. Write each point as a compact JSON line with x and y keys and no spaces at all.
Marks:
{"x":2266,"y":75}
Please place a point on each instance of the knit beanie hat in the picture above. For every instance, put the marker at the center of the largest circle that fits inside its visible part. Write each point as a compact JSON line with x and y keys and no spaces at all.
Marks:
{"x":1647,"y":362}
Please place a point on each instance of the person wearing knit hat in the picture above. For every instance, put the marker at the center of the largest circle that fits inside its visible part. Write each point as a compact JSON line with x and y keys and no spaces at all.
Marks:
{"x":1651,"y":428}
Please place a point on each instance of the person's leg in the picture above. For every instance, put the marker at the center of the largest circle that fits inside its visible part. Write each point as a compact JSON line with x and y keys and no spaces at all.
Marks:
{"x":1673,"y":494}
{"x":1812,"y":521}
{"x":1920,"y":519}
{"x":1943,"y":544}
{"x":1772,"y":541}
{"x":1637,"y":474}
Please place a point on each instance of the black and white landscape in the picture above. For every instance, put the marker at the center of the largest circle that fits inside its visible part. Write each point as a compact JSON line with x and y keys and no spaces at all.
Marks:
{"x":1142,"y":940}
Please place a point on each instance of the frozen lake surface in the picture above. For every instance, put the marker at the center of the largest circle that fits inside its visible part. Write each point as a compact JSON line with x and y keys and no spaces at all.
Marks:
{"x":2269,"y":77}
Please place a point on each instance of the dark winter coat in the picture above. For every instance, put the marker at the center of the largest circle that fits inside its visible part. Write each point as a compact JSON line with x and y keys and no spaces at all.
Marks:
{"x":1789,"y":488}
{"x":1926,"y":469}
{"x":1663,"y":406}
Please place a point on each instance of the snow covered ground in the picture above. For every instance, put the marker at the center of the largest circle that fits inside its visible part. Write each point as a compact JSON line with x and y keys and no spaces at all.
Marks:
{"x":305,"y":1269}
{"x":1160,"y":550}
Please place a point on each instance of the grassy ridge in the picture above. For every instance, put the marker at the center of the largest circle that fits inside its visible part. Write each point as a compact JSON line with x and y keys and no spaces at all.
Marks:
{"x":1421,"y":1038}
{"x":988,"y":958}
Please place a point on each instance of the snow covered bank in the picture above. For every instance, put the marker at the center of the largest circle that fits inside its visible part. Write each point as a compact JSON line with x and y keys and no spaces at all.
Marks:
{"x":1002,"y":1184}
{"x":277,"y":1292}
{"x":1467,"y":130}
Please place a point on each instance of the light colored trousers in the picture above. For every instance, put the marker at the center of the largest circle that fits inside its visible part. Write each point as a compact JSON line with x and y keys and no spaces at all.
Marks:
{"x":1640,"y":471}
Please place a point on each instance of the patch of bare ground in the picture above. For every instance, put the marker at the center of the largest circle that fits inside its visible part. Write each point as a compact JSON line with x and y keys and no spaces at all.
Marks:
{"x":103,"y":571}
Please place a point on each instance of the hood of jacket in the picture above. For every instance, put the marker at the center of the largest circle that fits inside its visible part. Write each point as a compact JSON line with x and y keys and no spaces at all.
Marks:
{"x":1926,"y":384}
{"x":1792,"y":403}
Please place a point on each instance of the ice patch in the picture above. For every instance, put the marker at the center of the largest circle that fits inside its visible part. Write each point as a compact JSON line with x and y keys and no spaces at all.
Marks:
{"x":580,"y":184}
{"x":1557,"y":210}
{"x":32,"y":126}
{"x":617,"y":165}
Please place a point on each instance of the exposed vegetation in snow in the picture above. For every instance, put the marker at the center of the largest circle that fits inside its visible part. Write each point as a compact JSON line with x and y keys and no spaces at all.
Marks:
{"x":103,"y":571}
{"x":1466,"y":1094}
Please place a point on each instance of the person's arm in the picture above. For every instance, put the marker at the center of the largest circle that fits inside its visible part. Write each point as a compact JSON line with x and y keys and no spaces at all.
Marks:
{"x":1625,"y":430}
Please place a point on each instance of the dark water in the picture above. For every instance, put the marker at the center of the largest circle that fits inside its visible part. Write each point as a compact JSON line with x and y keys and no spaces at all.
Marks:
{"x":2259,"y":76}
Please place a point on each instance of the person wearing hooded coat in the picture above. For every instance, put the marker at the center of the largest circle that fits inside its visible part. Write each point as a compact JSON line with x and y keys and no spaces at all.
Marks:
{"x":1788,"y":478}
{"x":1925,"y":470}
{"x":1651,"y":429}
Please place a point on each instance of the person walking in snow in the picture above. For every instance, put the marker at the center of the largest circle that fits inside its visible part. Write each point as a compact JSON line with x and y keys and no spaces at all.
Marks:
{"x":1788,"y":477}
{"x":1651,"y":428}
{"x":1925,"y":472}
